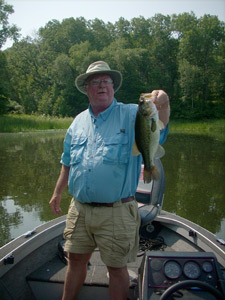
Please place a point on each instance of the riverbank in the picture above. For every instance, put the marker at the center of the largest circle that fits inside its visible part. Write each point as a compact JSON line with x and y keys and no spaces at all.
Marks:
{"x":28,"y":123}
{"x":212,"y":128}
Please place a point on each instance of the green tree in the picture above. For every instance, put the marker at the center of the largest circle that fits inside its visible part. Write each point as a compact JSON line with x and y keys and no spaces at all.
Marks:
{"x":59,"y":37}
{"x":163,"y":50}
{"x":217,"y":84}
{"x":181,"y":54}
{"x":190,"y":81}
{"x":100,"y":34}
{"x":141,"y":32}
{"x":199,"y":47}
{"x":4,"y":83}
{"x":64,"y":88}
{"x":132,"y":63}
{"x":7,"y":31}
{"x":183,"y":23}
{"x":123,"y":29}
{"x":29,"y":74}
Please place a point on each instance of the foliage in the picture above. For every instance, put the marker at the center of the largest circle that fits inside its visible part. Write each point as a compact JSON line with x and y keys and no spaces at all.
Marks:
{"x":6,"y":30}
{"x":4,"y":83}
{"x":180,"y":54}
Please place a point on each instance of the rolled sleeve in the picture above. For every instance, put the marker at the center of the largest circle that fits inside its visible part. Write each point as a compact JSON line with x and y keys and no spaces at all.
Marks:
{"x":164,"y":134}
{"x":65,"y":158}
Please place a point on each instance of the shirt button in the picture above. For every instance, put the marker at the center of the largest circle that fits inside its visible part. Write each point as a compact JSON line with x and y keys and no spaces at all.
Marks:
{"x":89,"y":170}
{"x":88,"y":188}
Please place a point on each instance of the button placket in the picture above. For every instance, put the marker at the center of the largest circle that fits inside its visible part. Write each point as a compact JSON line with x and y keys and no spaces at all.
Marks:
{"x":93,"y":149}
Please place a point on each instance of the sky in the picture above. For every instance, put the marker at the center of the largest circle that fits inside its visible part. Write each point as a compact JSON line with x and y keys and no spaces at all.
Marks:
{"x":30,"y":15}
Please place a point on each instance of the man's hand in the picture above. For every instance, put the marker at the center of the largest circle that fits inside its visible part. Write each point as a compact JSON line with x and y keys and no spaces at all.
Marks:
{"x":55,"y":204}
{"x":60,"y":185}
{"x":163,"y":105}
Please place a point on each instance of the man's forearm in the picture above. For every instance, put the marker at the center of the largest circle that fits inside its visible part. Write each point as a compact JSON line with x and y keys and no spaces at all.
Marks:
{"x":62,"y":181}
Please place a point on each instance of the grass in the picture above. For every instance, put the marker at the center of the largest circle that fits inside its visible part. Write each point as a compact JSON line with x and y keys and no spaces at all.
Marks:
{"x":26,"y":123}
{"x":213,"y":128}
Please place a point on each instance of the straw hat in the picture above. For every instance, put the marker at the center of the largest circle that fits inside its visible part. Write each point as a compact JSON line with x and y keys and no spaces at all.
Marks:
{"x":99,"y":67}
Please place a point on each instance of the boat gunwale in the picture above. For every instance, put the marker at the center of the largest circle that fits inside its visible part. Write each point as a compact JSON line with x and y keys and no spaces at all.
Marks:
{"x":202,"y":238}
{"x":20,"y":248}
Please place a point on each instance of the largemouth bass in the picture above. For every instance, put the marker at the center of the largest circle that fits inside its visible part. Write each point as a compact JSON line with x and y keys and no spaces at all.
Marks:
{"x":147,"y":134}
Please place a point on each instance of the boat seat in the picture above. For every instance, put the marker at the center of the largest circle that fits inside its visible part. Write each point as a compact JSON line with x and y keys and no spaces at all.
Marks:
{"x":150,"y":196}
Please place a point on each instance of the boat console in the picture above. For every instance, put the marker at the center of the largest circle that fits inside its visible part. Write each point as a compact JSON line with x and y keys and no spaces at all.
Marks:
{"x":163,"y":274}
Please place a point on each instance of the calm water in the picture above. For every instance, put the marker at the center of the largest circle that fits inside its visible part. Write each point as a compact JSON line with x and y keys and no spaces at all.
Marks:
{"x":29,"y":168}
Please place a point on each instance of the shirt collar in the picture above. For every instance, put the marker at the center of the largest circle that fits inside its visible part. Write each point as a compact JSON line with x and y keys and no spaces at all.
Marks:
{"x":104,"y":115}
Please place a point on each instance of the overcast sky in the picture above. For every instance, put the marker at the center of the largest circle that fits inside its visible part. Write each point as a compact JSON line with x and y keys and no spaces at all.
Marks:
{"x":30,"y":15}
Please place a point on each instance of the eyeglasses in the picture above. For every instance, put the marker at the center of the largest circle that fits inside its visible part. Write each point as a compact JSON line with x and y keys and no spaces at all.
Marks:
{"x":96,"y":82}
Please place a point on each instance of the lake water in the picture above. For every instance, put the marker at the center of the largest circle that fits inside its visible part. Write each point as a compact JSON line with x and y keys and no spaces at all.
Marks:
{"x":29,"y":168}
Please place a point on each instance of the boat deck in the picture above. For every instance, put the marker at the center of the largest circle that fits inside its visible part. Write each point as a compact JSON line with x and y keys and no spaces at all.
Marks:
{"x":49,"y":279}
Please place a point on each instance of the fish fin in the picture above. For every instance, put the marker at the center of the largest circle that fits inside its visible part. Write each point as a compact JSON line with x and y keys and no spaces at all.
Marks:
{"x":160,"y":152}
{"x":153,"y":174}
{"x":161,"y":125}
{"x":153,"y":125}
{"x":135,"y":151}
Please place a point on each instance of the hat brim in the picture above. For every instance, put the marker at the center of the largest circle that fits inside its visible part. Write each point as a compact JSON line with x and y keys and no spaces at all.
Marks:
{"x":115,"y":75}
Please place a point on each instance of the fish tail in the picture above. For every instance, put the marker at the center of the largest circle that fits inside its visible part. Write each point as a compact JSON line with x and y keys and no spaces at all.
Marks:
{"x":155,"y":173}
{"x":147,"y":176}
{"x":150,"y":175}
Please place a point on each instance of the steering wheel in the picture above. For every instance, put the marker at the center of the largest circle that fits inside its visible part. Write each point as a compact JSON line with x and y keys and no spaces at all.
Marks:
{"x":191,"y":283}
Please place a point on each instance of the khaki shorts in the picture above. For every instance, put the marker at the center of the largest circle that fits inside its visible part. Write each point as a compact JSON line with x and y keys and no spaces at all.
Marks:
{"x":113,"y":230}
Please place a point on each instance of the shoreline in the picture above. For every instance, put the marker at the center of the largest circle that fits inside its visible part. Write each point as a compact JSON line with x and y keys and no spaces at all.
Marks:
{"x":19,"y":124}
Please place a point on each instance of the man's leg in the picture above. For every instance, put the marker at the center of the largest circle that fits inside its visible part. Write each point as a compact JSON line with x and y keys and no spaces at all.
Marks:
{"x":75,"y":275}
{"x":119,"y":282}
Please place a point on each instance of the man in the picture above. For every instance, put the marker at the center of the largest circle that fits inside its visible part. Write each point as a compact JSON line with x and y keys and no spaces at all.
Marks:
{"x":102,"y":175}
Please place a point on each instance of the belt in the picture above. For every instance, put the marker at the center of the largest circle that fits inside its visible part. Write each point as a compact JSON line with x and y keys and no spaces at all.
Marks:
{"x":123,"y":200}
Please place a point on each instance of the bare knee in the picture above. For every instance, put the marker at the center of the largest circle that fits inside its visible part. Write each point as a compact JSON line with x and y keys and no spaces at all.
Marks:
{"x":118,"y":283}
{"x":117,"y":271}
{"x":78,"y":259}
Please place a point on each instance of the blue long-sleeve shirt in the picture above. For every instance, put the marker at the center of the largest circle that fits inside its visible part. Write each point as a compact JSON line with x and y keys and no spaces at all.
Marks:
{"x":99,"y":154}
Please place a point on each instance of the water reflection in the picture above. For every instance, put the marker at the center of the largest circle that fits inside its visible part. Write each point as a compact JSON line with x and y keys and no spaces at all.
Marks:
{"x":29,"y":170}
{"x":194,"y":168}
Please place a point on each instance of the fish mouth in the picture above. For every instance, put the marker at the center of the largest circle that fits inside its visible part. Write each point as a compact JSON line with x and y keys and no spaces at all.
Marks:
{"x":147,"y":107}
{"x":147,"y":97}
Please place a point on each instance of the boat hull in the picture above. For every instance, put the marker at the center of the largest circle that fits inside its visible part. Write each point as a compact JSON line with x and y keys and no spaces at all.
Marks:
{"x":37,"y":258}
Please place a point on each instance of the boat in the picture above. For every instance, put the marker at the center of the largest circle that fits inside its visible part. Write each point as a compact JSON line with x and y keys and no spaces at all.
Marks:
{"x":177,"y":257}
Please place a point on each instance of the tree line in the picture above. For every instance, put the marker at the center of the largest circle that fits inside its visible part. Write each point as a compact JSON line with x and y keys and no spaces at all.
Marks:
{"x":181,"y":54}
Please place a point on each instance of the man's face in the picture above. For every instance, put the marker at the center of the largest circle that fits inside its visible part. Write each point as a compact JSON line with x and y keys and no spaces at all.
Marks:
{"x":99,"y":92}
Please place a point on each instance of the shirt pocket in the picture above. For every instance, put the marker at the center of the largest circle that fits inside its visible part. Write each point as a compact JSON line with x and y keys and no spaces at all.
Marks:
{"x":116,"y":149}
{"x":78,"y":144}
